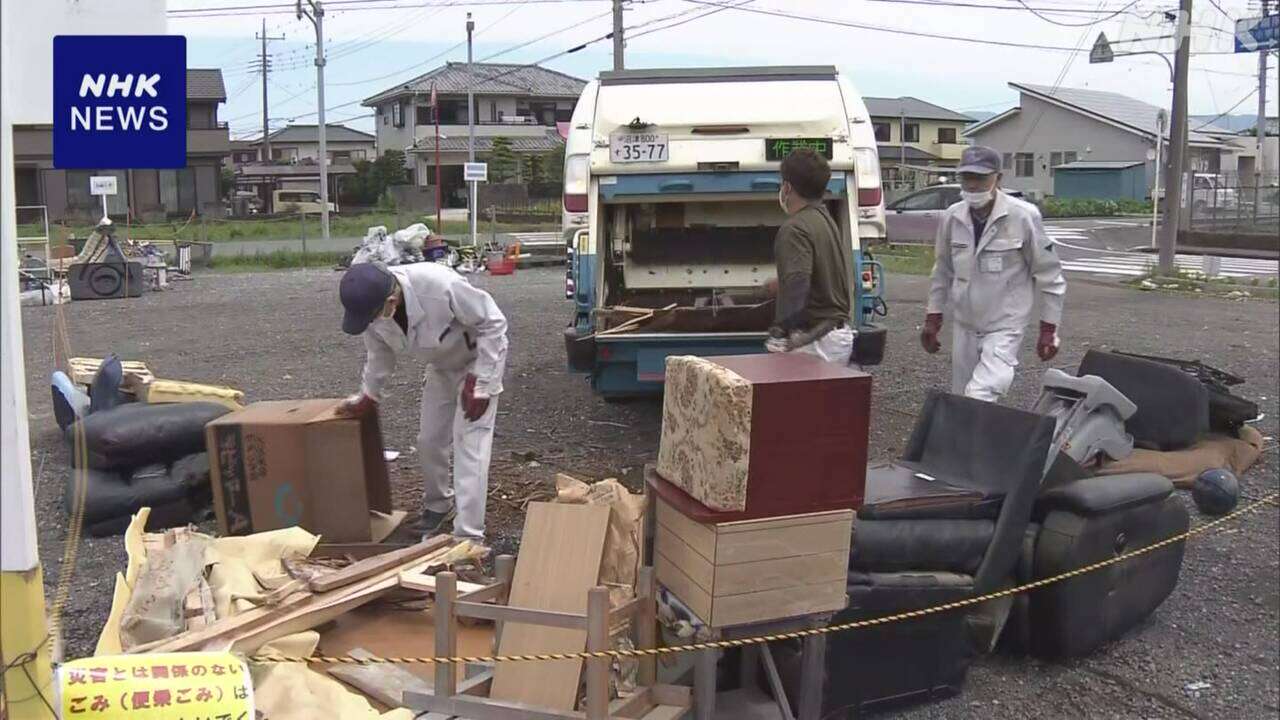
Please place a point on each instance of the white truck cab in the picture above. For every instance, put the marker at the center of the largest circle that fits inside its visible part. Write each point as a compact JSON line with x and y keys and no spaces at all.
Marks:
{"x":671,"y":204}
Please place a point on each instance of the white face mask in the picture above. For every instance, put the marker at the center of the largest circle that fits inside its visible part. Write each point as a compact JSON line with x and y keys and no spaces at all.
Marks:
{"x":977,"y":199}
{"x":782,"y":199}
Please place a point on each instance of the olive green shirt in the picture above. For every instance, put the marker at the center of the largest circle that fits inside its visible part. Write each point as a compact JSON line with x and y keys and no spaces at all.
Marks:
{"x":809,"y":253}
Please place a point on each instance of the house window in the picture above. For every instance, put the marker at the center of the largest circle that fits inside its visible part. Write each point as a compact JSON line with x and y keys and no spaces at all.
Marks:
{"x":493,"y":112}
{"x":882,"y":131}
{"x":386,"y":118}
{"x":397,"y":114}
{"x":357,"y":155}
{"x":1070,"y":156}
{"x":911,"y":133}
{"x":79,"y":198}
{"x":946,"y":136}
{"x":1055,"y":159}
{"x":340,"y":157}
{"x":1008,"y":161}
{"x":1025,"y":165}
{"x":422,"y":115}
{"x":453,"y":112}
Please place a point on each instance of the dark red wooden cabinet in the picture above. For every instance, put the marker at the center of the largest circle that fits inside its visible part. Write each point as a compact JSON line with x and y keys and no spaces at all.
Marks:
{"x":809,"y":426}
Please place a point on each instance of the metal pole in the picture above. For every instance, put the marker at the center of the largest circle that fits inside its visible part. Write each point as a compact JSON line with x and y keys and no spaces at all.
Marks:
{"x":1260,"y":159}
{"x":302,"y":223}
{"x":1155,"y":191}
{"x":1177,"y":141}
{"x":472,"y":200}
{"x":266,"y":141}
{"x":318,"y":6}
{"x":435,"y":112}
{"x":618,"y":63}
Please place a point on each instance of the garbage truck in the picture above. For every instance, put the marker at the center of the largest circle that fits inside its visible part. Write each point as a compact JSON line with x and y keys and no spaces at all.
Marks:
{"x":671,"y":183}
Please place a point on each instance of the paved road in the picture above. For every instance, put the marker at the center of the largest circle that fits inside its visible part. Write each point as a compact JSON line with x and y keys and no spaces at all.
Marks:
{"x":1106,"y":248}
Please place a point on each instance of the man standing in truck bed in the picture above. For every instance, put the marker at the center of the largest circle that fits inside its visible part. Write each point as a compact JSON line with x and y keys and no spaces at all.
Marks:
{"x":815,"y":268}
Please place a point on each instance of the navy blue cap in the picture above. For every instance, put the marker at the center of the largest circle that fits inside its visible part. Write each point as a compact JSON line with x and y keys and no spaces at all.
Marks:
{"x":979,"y":160}
{"x":364,"y":290}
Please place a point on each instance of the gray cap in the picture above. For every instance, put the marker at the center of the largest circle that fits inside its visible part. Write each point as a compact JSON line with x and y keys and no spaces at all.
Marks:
{"x":364,"y":289}
{"x":979,"y":160}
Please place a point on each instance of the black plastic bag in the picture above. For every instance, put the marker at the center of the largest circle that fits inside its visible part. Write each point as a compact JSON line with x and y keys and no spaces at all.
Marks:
{"x":115,"y":495}
{"x":136,"y":434}
{"x":104,"y":393}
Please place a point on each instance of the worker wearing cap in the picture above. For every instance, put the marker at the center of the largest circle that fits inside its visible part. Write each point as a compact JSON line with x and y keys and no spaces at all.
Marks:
{"x":436,"y":313}
{"x":991,"y":257}
{"x":814,"y":312}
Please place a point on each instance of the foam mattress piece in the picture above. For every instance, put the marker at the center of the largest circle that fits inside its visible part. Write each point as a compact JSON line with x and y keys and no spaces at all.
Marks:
{"x":763,"y":435}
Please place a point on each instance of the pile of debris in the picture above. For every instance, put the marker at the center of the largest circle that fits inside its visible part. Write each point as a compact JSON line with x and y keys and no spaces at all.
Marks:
{"x":413,"y":244}
{"x":136,"y":441}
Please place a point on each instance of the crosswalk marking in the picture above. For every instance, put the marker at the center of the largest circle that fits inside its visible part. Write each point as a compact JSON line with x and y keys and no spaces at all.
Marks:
{"x":1135,"y":265}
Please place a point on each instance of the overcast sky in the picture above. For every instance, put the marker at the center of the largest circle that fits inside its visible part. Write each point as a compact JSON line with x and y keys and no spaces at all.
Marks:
{"x":376,"y":44}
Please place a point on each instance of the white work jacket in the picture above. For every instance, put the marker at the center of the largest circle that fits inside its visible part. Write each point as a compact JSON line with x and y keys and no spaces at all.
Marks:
{"x":453,"y":324}
{"x":990,"y":288}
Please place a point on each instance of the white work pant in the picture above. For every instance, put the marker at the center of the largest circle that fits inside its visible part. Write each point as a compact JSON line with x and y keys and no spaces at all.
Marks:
{"x":982,"y":364}
{"x":834,"y":347}
{"x":443,"y":426}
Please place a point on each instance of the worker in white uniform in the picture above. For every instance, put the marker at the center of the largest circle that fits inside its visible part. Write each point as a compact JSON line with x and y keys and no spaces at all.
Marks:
{"x":433,"y":311}
{"x":991,"y":256}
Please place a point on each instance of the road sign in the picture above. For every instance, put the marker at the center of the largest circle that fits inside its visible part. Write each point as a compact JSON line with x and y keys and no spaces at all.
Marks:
{"x":1101,"y":52}
{"x":1259,"y":33}
{"x":102,"y":185}
{"x":475,"y":172}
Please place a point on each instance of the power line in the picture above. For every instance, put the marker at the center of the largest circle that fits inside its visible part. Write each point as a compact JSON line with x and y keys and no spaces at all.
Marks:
{"x":1050,"y":20}
{"x":1228,"y":111}
{"x":1015,"y":8}
{"x":343,"y":6}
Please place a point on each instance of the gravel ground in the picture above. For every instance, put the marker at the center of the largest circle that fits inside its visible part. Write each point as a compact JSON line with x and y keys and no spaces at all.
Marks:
{"x":276,"y":336}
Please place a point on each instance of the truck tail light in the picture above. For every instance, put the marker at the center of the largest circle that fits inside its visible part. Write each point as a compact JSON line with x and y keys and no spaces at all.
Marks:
{"x":575,"y":183}
{"x":867,"y":175}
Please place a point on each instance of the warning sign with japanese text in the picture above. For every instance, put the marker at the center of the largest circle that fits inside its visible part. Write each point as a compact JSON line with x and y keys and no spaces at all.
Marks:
{"x":166,"y":686}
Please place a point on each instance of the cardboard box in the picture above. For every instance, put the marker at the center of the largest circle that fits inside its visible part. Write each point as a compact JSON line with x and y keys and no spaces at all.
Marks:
{"x":295,"y":462}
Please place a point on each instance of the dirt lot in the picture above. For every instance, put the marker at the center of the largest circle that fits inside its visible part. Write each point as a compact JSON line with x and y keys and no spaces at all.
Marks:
{"x":276,"y":336}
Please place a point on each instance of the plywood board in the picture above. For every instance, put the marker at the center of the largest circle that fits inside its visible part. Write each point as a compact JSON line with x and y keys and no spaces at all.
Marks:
{"x":559,"y":562}
{"x":777,"y":604}
{"x":701,"y":538}
{"x":789,"y":541}
{"x":781,"y":573}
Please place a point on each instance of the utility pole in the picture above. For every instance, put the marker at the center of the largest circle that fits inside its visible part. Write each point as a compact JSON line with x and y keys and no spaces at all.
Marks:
{"x":264,"y":64}
{"x":618,"y":63}
{"x":316,"y":16}
{"x":473,"y":202}
{"x":1177,"y":140}
{"x":1260,"y":157}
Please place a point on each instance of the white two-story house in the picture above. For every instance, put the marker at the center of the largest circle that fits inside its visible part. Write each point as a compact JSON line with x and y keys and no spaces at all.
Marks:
{"x":523,"y":103}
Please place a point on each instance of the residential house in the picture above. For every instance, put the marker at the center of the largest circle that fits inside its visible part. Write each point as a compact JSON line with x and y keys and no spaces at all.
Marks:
{"x":1239,"y":168}
{"x":294,"y":163}
{"x":522,"y":103}
{"x":917,"y":140}
{"x":293,"y":143}
{"x":1055,"y":126}
{"x":144,"y":194}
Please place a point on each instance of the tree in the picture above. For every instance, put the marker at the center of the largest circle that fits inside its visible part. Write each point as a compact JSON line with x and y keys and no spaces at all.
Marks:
{"x":554,"y":163}
{"x":536,"y":171}
{"x":373,"y":178}
{"x":503,"y":162}
{"x":228,"y":182}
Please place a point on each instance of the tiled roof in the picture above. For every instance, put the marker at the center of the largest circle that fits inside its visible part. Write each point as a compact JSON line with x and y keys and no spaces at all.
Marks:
{"x":310,"y":134}
{"x":913,"y":108}
{"x":205,"y":84}
{"x":895,"y":153}
{"x":488,"y":79}
{"x":542,"y":143}
{"x":1122,"y":109}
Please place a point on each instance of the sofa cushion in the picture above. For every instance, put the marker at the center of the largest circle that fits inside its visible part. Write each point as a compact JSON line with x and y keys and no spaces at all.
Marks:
{"x":889,"y":546}
{"x":1105,"y":494}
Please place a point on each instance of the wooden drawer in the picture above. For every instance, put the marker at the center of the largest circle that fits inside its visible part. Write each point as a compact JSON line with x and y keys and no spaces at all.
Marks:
{"x":754,"y":570}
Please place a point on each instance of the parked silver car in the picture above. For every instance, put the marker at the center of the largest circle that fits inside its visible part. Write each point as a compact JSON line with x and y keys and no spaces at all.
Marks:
{"x":914,"y":218}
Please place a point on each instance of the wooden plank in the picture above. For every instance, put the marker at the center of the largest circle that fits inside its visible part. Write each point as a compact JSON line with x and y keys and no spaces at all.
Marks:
{"x":781,"y":573}
{"x":376,"y":564}
{"x":504,"y":571}
{"x":675,"y":580}
{"x":473,"y":708}
{"x":665,"y":712}
{"x":791,"y":541}
{"x":446,"y":629}
{"x":633,"y":705}
{"x":777,"y":604}
{"x":680,"y":695}
{"x":383,"y":682}
{"x":559,"y":561}
{"x":597,"y":697}
{"x":702,"y":538}
{"x":358,"y":551}
{"x":776,"y":523}
{"x":508,"y":613}
{"x":699,"y":569}
{"x":427,"y":583}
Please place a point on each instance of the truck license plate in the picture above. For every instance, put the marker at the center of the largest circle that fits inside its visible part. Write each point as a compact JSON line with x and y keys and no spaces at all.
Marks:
{"x":637,"y":147}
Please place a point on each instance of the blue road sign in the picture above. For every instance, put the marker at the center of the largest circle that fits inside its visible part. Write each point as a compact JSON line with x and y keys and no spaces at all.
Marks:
{"x":1259,"y":33}
{"x":119,"y":101}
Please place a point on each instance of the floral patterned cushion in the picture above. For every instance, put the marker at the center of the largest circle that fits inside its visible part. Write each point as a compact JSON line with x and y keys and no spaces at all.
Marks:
{"x":706,"y":432}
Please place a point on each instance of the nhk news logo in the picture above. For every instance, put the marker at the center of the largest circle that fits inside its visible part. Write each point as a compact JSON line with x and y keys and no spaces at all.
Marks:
{"x":119,"y":101}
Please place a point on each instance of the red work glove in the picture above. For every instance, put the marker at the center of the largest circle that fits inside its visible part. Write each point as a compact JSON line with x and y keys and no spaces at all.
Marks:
{"x":357,"y":406}
{"x":473,"y":408}
{"x":1047,"y":343}
{"x":929,"y":333}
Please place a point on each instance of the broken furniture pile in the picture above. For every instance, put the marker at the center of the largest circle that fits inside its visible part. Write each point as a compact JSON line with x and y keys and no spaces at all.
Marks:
{"x":135,"y":441}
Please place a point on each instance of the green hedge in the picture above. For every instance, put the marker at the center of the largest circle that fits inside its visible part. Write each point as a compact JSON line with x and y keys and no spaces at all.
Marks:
{"x":1083,"y":207}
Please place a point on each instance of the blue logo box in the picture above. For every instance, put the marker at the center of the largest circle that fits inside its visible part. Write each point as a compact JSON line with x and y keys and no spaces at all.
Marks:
{"x":119,"y":101}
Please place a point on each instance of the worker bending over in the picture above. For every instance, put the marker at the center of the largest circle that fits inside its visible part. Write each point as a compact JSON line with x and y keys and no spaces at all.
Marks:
{"x":431,"y":310}
{"x":991,"y":252}
{"x":815,"y":269}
